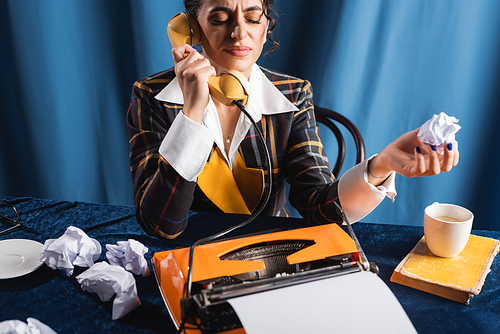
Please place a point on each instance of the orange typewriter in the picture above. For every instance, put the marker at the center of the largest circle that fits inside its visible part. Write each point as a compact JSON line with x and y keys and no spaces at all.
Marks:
{"x":237,"y":267}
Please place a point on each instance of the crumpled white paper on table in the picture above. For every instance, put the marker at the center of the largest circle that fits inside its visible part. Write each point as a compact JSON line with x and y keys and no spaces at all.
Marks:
{"x":440,"y":129}
{"x":73,"y":248}
{"x":33,"y":326}
{"x":129,"y":255}
{"x":107,"y":280}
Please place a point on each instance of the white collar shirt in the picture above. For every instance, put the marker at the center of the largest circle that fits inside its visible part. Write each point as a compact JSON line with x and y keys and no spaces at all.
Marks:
{"x":187,"y":144}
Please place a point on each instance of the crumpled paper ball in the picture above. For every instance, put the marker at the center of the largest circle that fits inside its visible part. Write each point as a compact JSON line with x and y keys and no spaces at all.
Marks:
{"x":107,"y":280}
{"x":73,"y":248}
{"x":129,"y":255}
{"x":439,"y":130}
{"x":33,"y":326}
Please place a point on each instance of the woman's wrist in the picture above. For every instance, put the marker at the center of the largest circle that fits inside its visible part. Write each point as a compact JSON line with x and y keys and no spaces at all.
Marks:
{"x":377,"y":172}
{"x":196,"y":116}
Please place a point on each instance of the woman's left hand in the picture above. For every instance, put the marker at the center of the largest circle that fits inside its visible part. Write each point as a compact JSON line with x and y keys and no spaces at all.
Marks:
{"x":408,"y":156}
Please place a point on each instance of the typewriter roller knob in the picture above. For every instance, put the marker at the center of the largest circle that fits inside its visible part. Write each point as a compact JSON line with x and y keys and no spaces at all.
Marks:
{"x":374,"y":268}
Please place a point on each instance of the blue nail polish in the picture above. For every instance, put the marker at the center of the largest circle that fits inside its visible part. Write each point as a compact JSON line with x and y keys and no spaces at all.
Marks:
{"x":449,"y":146}
{"x":418,"y":150}
{"x":433,"y":147}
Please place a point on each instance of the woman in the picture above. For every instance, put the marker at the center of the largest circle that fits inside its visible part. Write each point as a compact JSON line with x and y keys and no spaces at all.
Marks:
{"x":175,"y":128}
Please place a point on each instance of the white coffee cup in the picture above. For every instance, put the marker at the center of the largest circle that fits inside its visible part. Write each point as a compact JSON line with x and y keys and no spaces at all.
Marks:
{"x":447,"y":228}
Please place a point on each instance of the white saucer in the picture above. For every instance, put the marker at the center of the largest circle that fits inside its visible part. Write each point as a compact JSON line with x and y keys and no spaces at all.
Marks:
{"x":19,"y":257}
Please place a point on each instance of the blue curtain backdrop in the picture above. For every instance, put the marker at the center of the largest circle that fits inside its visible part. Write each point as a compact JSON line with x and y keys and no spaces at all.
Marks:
{"x":67,"y":69}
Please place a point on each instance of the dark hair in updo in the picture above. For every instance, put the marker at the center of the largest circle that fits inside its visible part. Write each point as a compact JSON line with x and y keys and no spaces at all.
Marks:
{"x":192,"y":7}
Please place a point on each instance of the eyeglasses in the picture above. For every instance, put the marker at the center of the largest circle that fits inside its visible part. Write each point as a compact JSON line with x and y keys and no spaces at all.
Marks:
{"x":9,"y":215}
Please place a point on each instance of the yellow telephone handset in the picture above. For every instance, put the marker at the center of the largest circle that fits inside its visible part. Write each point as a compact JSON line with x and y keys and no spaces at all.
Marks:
{"x":230,"y":86}
{"x":183,"y":29}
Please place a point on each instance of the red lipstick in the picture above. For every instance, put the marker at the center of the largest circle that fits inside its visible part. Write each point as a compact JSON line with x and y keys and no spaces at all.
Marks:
{"x":238,"y":51}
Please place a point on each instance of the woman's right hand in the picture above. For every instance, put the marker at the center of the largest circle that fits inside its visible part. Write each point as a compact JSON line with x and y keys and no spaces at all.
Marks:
{"x":192,"y":73}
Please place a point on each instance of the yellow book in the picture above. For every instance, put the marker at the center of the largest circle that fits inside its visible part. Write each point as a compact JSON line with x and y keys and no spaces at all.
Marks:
{"x":457,"y":278}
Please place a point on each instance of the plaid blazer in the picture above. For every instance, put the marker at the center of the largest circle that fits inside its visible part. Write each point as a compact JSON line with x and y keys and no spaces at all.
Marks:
{"x":163,"y":198}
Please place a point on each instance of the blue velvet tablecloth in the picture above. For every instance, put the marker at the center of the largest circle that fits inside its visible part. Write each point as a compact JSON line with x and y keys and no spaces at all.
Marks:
{"x":58,"y":301}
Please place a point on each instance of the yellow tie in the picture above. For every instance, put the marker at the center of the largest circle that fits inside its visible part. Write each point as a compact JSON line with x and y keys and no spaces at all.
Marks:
{"x":233,"y":192}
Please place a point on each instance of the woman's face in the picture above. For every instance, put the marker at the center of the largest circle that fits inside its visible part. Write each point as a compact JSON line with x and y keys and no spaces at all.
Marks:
{"x":233,"y":33}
